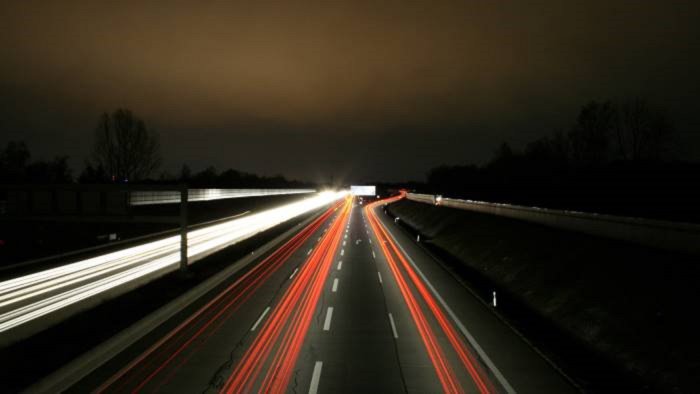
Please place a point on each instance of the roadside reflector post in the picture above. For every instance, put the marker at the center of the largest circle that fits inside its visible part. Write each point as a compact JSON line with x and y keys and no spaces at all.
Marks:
{"x":183,"y":228}
{"x":494,"y":299}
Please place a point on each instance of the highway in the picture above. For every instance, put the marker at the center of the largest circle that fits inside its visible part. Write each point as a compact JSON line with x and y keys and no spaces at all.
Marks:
{"x":349,"y":304}
{"x":33,"y":302}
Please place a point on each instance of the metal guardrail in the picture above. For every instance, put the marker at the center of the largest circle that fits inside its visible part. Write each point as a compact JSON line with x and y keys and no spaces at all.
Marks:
{"x":153,"y":197}
{"x":673,"y":236}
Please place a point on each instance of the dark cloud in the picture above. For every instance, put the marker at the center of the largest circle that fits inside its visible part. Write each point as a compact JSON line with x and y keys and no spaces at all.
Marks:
{"x":310,"y":89}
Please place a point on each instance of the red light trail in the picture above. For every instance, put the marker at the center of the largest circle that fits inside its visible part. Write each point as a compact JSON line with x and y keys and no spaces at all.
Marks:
{"x":175,"y":348}
{"x":268,"y":363}
{"x":286,"y":328}
{"x":443,"y":369}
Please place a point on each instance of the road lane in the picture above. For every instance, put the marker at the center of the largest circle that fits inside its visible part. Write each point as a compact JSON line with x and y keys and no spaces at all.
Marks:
{"x":189,"y":356}
{"x":510,"y":364}
{"x":358,"y":351}
{"x":425,"y":364}
{"x":268,"y":364}
{"x":376,"y":314}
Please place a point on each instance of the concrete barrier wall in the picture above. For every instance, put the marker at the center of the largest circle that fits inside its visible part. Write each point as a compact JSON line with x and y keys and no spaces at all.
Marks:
{"x":679,"y":237}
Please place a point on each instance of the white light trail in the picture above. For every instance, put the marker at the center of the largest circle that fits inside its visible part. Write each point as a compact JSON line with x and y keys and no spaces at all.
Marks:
{"x":33,"y":296}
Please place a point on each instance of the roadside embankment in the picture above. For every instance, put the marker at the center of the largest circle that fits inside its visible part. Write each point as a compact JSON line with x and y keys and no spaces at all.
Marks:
{"x":594,"y":306}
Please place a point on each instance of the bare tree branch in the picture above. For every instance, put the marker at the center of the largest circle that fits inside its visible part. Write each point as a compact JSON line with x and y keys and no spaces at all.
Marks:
{"x":125,"y":147}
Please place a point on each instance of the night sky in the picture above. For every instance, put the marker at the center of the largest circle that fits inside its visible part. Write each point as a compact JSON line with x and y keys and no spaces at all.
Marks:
{"x":358,"y":90}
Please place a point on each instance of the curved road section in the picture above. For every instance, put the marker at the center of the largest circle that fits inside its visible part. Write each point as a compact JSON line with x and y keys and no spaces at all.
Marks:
{"x":349,"y":304}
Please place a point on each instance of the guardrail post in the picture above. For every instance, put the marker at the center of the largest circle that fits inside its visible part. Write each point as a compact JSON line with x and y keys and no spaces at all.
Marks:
{"x":183,"y":228}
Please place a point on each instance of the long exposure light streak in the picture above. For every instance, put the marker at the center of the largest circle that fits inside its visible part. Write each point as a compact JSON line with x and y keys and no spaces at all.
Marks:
{"x":289,"y":321}
{"x":441,"y":364}
{"x":178,"y":345}
{"x":34,"y":296}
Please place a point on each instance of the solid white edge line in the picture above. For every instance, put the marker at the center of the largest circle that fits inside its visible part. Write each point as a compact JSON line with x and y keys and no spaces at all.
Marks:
{"x":329,"y":316}
{"x":393,"y":326}
{"x":260,"y":319}
{"x":379,"y":274}
{"x":487,"y":360}
{"x":315,"y":377}
{"x":335,"y":285}
{"x":294,"y":273}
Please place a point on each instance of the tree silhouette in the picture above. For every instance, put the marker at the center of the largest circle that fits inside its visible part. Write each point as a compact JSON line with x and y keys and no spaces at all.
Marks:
{"x":590,"y":136}
{"x":17,"y":168}
{"x":641,"y":131}
{"x":125,"y":147}
{"x":13,"y":162}
{"x":185,"y":173}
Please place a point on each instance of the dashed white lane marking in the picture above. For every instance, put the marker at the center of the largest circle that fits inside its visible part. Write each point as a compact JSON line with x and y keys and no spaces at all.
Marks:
{"x":340,"y":265}
{"x":315,"y":377}
{"x":309,"y":252}
{"x":319,"y":239}
{"x":335,"y":285}
{"x":393,"y":326}
{"x":346,"y":236}
{"x":370,"y":240}
{"x":374,"y":256}
{"x":329,"y":316}
{"x":487,"y":360}
{"x":342,"y":252}
{"x":294,"y":273}
{"x":260,"y":318}
{"x":379,"y":274}
{"x":343,"y":243}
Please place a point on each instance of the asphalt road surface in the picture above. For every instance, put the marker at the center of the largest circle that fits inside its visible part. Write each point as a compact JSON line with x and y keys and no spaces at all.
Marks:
{"x":350,"y":304}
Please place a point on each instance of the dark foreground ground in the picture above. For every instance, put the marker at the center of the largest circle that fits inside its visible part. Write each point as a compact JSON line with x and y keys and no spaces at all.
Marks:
{"x":615,"y":316}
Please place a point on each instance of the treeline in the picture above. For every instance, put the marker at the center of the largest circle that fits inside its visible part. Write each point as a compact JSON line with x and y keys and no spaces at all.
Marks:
{"x":616,"y":158}
{"x":124,"y":150}
{"x":230,"y":178}
{"x":17,"y":168}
